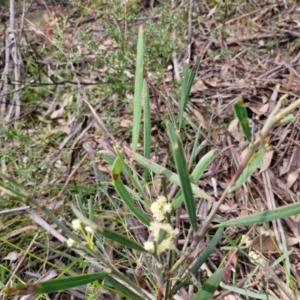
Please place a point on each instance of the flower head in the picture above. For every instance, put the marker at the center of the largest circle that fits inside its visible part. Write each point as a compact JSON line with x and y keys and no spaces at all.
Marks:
{"x":163,"y":235}
{"x":246,"y":240}
{"x":255,"y":257}
{"x":149,"y":246}
{"x":76,"y":224}
{"x":70,"y":242}
{"x":89,"y":229}
{"x":160,"y":208}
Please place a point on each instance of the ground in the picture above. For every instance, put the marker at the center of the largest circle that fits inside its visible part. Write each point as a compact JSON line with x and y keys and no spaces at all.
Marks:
{"x":66,"y":109}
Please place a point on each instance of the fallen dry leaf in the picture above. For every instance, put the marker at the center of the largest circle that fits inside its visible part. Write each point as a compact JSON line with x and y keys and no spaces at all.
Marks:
{"x":200,"y":118}
{"x":264,"y":243}
{"x":267,"y":161}
{"x":254,"y":109}
{"x":126,"y":123}
{"x":198,"y":86}
{"x":12,"y":256}
{"x":264,"y":109}
{"x":240,"y":82}
{"x":283,"y":168}
{"x":244,"y":211}
{"x":291,"y":241}
{"x":292,"y":177}
{"x":234,"y":130}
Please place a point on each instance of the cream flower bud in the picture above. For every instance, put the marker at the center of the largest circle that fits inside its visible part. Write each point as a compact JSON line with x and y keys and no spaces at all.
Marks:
{"x":70,"y":242}
{"x":160,"y":208}
{"x":76,"y":224}
{"x":149,"y":246}
{"x":89,"y":229}
{"x":255,"y":257}
{"x":167,"y":208}
{"x":246,"y":240}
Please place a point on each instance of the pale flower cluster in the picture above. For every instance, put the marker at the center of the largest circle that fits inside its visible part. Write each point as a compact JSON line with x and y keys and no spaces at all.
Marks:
{"x":160,"y":208}
{"x":71,"y":242}
{"x":161,"y":234}
{"x":255,"y":257}
{"x":87,"y":232}
{"x":246,"y":240}
{"x":89,"y":229}
{"x":76,"y":224}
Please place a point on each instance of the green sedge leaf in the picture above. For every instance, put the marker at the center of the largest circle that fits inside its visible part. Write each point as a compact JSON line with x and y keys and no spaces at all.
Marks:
{"x":147,"y":121}
{"x":201,"y":166}
{"x":184,"y":93}
{"x":265,"y":216}
{"x":287,"y":119}
{"x":247,"y":293}
{"x":121,"y":239}
{"x":209,"y":287}
{"x":182,"y":170}
{"x":121,"y":289}
{"x":147,"y":127}
{"x":195,"y":176}
{"x":138,"y":87}
{"x":241,"y":114}
{"x":186,"y":86}
{"x":55,"y":285}
{"x":253,"y":164}
{"x":124,"y":194}
{"x":200,"y":260}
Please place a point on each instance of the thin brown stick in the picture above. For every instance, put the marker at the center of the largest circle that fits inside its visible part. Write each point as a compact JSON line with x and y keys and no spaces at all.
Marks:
{"x":21,"y":260}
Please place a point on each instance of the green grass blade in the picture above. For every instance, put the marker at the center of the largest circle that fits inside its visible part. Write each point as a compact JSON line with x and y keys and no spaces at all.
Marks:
{"x":124,"y":194}
{"x":182,"y":170}
{"x":121,"y":239}
{"x":121,"y":290}
{"x":195,"y":146}
{"x":147,"y":121}
{"x":247,"y":293}
{"x":273,"y":113}
{"x":134,"y":178}
{"x":79,"y":260}
{"x":241,"y":114}
{"x":130,"y":283}
{"x":195,"y":176}
{"x":253,"y":164}
{"x":201,"y":259}
{"x":209,"y":287}
{"x":138,"y":88}
{"x":80,"y":205}
{"x":208,"y":250}
{"x":265,"y":216}
{"x":55,"y":285}
{"x":157,"y":169}
{"x":147,"y":127}
{"x":91,"y":206}
{"x":184,"y":93}
{"x":192,"y":77}
{"x":186,"y":85}
{"x":287,"y":119}
{"x":202,"y":165}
